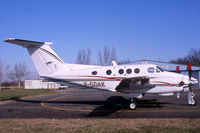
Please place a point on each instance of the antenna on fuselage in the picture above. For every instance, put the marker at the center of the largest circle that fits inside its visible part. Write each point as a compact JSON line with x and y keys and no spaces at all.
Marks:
{"x":114,"y":63}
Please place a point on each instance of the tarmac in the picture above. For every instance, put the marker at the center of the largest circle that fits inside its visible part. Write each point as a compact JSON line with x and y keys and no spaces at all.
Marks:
{"x":89,"y":103}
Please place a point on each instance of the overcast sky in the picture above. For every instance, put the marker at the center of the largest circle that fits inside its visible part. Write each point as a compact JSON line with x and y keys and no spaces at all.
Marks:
{"x":137,"y":29}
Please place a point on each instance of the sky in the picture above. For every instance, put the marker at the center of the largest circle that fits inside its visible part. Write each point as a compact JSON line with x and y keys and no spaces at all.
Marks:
{"x":137,"y":29}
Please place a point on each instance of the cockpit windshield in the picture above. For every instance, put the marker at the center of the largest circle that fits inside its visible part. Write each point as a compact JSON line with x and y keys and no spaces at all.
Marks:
{"x":160,"y":69}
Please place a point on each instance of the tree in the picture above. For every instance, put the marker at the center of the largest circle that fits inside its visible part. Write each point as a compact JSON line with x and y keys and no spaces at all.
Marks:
{"x":193,"y":57}
{"x":18,"y":72}
{"x":105,"y":58}
{"x":108,"y":56}
{"x":124,"y":61}
{"x":1,"y":73}
{"x":84,"y":57}
{"x":183,"y":61}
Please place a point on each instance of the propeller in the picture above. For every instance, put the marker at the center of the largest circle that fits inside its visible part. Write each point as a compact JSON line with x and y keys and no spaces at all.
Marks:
{"x":191,"y":95}
{"x":189,"y":68}
{"x":181,"y":83}
{"x":178,"y":69}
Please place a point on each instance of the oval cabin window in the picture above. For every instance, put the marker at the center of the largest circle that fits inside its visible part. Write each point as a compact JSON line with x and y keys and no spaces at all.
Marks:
{"x":129,"y":71}
{"x":108,"y":72}
{"x":137,"y":70}
{"x":94,"y":73}
{"x":121,"y":71}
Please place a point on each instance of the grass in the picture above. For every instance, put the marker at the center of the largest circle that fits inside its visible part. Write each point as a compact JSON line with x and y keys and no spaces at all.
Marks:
{"x":148,"y":129}
{"x":122,"y":125}
{"x":18,"y":93}
{"x":100,"y":125}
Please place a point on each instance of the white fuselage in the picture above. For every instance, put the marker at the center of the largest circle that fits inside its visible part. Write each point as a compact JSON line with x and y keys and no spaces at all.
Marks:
{"x":109,"y":77}
{"x":132,"y":79}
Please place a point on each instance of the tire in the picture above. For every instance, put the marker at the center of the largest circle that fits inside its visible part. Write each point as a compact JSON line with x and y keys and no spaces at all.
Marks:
{"x":133,"y":106}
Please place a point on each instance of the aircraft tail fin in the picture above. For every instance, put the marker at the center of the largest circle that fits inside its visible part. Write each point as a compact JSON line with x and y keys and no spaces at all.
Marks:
{"x":44,"y":58}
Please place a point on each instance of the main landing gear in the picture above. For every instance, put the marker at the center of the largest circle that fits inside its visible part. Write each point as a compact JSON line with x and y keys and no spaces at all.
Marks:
{"x":133,"y":103}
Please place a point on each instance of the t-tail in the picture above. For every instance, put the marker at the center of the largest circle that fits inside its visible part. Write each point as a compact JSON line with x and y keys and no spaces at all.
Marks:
{"x":44,"y":58}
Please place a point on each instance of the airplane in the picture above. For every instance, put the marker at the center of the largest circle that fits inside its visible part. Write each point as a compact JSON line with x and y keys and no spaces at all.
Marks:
{"x":134,"y":80}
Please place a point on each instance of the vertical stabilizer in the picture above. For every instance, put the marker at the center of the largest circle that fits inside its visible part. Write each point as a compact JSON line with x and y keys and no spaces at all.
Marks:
{"x":44,"y":58}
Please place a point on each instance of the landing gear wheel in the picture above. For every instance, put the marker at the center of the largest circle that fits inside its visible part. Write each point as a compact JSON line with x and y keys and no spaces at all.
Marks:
{"x":132,"y":106}
{"x":133,"y":103}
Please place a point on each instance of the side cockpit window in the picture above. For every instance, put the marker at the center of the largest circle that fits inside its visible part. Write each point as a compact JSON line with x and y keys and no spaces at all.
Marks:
{"x":160,"y":69}
{"x":150,"y":70}
{"x":157,"y":70}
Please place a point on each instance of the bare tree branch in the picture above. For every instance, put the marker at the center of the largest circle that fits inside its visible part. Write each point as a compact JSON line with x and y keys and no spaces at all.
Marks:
{"x":18,"y":72}
{"x":1,"y":73}
{"x":193,"y":57}
{"x":108,"y":56}
{"x":124,"y":61}
{"x":105,"y":58}
{"x":100,"y":59}
{"x":113,"y":54}
{"x":84,"y":57}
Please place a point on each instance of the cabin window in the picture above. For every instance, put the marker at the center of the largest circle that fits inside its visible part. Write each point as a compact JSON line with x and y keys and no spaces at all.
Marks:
{"x":151,"y":70}
{"x":121,"y":71}
{"x":129,"y":71}
{"x":137,"y":70}
{"x":94,"y":73}
{"x":108,"y":72}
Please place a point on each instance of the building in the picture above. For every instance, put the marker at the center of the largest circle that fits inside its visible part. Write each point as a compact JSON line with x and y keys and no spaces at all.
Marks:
{"x":172,"y":67}
{"x":39,"y":84}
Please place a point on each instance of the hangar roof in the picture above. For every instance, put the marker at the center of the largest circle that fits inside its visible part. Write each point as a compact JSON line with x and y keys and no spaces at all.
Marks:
{"x":165,"y":65}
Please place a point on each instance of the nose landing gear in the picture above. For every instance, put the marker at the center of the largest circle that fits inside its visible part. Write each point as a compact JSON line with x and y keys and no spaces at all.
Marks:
{"x":133,"y":103}
{"x":191,"y":100}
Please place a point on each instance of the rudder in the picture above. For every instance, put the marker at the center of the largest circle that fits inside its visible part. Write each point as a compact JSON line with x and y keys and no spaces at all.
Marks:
{"x":44,"y":58}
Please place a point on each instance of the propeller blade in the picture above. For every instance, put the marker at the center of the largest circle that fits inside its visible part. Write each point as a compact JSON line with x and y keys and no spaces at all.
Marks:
{"x":189,"y":68}
{"x":191,"y":87}
{"x":178,"y":69}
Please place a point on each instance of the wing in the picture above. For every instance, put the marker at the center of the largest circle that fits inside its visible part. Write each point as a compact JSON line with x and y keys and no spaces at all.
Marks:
{"x":135,"y":83}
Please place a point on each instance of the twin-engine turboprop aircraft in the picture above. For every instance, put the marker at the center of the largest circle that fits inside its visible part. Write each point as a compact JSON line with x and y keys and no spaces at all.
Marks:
{"x":135,"y":80}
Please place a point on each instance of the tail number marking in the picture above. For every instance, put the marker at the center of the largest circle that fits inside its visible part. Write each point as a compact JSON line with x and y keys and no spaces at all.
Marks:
{"x":95,"y":84}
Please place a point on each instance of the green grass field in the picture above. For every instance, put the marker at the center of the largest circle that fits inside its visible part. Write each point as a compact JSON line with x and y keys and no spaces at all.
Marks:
{"x":18,"y":93}
{"x":100,"y":125}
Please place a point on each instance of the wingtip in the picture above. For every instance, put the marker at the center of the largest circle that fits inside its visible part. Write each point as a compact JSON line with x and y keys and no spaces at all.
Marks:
{"x":9,"y":39}
{"x":48,"y":43}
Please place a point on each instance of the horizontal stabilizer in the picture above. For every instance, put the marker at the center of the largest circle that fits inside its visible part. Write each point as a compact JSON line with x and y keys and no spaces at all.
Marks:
{"x":26,"y":43}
